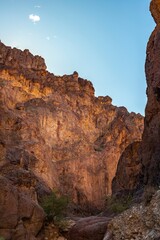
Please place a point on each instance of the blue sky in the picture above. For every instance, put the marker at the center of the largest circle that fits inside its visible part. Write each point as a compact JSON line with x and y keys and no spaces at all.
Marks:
{"x":104,"y":40}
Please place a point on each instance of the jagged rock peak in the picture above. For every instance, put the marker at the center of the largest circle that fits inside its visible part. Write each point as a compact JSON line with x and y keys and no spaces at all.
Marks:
{"x":155,"y":10}
{"x":24,"y":66}
{"x":16,"y":58}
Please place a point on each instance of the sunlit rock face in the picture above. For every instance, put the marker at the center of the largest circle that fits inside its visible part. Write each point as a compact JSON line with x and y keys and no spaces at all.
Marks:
{"x":56,"y":128}
{"x":151,"y":136}
{"x":20,"y":59}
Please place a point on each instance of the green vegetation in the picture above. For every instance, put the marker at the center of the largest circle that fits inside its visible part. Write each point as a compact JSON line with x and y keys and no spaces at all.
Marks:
{"x":55,"y":206}
{"x":118,"y":204}
{"x":2,"y":238}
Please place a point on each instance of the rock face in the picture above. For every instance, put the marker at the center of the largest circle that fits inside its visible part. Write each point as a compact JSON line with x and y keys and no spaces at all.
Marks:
{"x":57,"y":129}
{"x":129,"y":169}
{"x":20,"y":59}
{"x":151,"y":136}
{"x":155,"y":10}
{"x":142,"y":222}
{"x":21,"y":216}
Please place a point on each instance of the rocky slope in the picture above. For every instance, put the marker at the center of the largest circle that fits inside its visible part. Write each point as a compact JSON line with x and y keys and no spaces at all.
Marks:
{"x":140,"y":222}
{"x":54,"y":133}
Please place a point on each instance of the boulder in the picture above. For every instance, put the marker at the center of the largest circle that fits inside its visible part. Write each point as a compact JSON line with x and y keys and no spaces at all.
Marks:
{"x":21,"y":217}
{"x":90,"y":228}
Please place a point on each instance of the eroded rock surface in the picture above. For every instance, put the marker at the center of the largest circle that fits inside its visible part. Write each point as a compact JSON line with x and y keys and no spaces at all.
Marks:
{"x":57,"y":128}
{"x":54,"y":133}
{"x":15,"y":58}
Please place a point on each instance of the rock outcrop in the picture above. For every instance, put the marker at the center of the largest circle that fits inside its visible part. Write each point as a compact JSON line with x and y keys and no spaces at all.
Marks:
{"x":20,"y":59}
{"x":59,"y":129}
{"x":54,"y":133}
{"x":151,"y":136}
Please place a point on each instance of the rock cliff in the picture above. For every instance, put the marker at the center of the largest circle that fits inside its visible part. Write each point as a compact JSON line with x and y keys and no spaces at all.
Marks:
{"x":54,"y":133}
{"x":59,"y":129}
{"x":151,"y":136}
{"x":129,"y":170}
{"x":143,"y":159}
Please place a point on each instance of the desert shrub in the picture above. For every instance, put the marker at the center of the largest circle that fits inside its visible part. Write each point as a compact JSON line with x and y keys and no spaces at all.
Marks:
{"x":118,"y":204}
{"x":54,"y":206}
{"x":62,"y":224}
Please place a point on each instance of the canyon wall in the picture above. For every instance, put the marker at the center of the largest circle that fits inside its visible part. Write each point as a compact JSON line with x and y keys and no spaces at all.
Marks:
{"x":151,"y":136}
{"x":55,"y":127}
{"x":143,"y":159}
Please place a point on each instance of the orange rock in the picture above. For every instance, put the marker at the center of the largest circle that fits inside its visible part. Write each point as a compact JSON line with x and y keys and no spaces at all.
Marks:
{"x":54,"y":129}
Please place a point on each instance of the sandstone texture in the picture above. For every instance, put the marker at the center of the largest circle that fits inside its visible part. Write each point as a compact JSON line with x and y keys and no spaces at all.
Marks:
{"x":139,"y":223}
{"x":151,"y":136}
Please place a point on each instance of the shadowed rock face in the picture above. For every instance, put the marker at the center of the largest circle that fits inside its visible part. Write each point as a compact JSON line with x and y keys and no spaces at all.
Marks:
{"x":142,"y":221}
{"x":56,"y":128}
{"x":151,"y":136}
{"x":21,"y":216}
{"x":129,"y":170}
